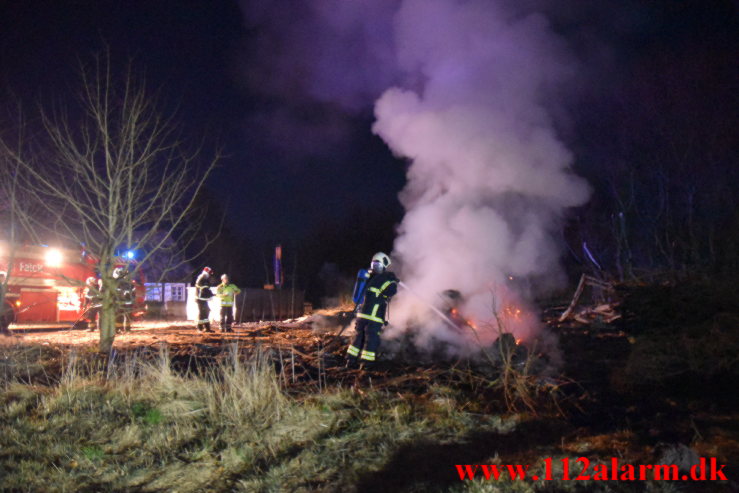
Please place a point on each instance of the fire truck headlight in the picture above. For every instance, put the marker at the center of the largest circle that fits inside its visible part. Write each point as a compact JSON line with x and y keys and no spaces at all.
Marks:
{"x":53,"y":258}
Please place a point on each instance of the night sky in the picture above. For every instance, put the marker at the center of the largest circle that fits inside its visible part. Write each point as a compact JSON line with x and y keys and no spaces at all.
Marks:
{"x":297,"y":167}
{"x":197,"y":55}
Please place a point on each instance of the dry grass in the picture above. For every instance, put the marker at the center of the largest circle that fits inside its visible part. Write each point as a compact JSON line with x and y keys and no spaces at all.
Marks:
{"x":136,"y":424}
{"x":515,"y":369}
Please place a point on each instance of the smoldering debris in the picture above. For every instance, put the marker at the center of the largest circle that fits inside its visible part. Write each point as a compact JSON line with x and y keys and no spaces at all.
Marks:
{"x":540,"y":355}
{"x":331,"y":321}
{"x":460,"y":344}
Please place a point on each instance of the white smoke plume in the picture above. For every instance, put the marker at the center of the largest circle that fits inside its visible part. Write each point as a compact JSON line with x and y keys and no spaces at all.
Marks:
{"x":489,"y":181}
{"x":467,"y":91}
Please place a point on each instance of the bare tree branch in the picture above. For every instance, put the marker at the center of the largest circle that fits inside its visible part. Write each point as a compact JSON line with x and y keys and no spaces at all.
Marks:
{"x":116,"y":175}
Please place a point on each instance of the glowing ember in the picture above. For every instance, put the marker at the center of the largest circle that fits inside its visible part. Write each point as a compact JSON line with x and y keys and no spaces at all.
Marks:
{"x":513,"y":312}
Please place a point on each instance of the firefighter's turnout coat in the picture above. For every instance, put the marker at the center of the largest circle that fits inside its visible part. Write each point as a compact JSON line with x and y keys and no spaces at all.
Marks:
{"x":125,"y":299}
{"x":377,"y":293}
{"x":91,"y":301}
{"x":202,"y":294}
{"x":372,"y":316}
{"x":6,"y":313}
{"x":90,"y":297}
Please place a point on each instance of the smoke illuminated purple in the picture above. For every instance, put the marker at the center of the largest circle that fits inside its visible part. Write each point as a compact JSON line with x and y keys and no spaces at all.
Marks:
{"x":489,"y":180}
{"x":463,"y":89}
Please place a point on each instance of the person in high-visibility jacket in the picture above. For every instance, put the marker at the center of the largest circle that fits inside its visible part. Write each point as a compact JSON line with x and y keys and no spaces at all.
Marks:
{"x":202,"y":295}
{"x":227,"y":293}
{"x":381,"y":285}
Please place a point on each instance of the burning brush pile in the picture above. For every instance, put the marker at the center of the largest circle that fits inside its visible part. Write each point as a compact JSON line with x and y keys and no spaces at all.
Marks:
{"x":444,"y":334}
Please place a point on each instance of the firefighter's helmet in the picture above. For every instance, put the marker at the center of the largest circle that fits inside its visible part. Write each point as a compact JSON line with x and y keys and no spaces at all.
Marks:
{"x":91,"y":281}
{"x":380,"y":262}
{"x":224,"y":277}
{"x":208,"y":271}
{"x":119,"y":272}
{"x":3,"y":273}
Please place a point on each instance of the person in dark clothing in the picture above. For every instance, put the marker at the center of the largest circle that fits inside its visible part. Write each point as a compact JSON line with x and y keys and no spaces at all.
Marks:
{"x":6,"y":314}
{"x":381,"y":285}
{"x":125,"y":299}
{"x":91,"y":301}
{"x":203,"y":294}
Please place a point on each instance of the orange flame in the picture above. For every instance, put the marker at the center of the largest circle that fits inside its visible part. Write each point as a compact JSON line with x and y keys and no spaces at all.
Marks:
{"x":513,"y":312}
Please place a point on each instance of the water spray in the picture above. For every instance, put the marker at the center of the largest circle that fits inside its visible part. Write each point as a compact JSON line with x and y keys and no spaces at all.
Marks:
{"x":433,"y":308}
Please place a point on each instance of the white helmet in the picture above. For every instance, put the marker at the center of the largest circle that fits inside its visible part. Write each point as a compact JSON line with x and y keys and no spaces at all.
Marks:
{"x":119,"y":272}
{"x":380,"y":260}
{"x":91,"y":280}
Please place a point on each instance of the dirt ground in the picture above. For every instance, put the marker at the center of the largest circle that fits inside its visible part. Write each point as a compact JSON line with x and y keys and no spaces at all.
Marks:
{"x":306,"y":358}
{"x":142,"y":334}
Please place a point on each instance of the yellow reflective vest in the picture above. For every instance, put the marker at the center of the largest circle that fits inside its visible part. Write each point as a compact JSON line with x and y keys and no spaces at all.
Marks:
{"x":227,"y":293}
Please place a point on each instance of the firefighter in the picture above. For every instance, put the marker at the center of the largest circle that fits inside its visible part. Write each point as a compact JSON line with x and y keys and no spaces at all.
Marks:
{"x":203,"y":294}
{"x":5,"y":310}
{"x":125,"y":297}
{"x":91,"y":302}
{"x":381,"y":285}
{"x":227,"y":293}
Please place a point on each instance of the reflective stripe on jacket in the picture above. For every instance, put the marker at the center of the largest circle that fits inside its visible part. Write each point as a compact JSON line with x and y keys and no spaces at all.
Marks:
{"x":202,"y":288}
{"x":227,"y":293}
{"x":380,"y":288}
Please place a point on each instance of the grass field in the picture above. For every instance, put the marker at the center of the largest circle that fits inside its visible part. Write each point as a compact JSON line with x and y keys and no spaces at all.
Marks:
{"x":246,"y":414}
{"x":134,"y":424}
{"x":137,"y":425}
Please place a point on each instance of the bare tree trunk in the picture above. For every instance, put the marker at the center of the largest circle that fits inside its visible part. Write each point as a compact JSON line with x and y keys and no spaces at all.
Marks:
{"x":114,"y":177}
{"x":107,"y":322}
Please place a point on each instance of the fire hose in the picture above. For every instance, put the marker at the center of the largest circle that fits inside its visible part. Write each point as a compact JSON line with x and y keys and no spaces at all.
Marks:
{"x":433,"y":308}
{"x":349,"y":317}
{"x":401,"y":284}
{"x":96,"y":306}
{"x":84,"y":314}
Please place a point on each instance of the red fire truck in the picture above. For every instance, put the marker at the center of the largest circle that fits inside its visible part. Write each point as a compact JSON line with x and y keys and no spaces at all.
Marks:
{"x":46,"y":283}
